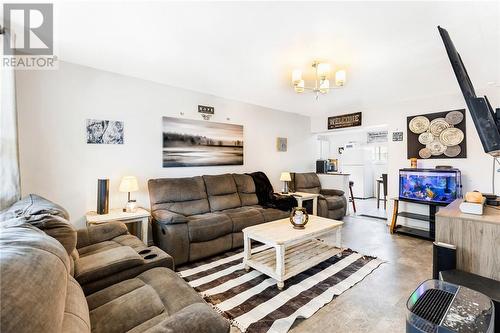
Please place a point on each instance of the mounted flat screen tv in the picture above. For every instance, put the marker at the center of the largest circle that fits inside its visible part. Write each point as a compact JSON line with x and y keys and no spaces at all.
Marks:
{"x":429,"y":186}
{"x":486,"y":120}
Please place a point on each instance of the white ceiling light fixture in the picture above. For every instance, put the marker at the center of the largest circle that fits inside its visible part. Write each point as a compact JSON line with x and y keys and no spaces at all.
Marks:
{"x":321,"y":80}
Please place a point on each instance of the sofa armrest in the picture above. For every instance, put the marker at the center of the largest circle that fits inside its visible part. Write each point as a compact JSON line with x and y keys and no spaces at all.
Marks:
{"x":332,"y":192}
{"x":97,"y":233}
{"x":164,"y":216}
{"x":198,"y":317}
{"x":101,"y":264}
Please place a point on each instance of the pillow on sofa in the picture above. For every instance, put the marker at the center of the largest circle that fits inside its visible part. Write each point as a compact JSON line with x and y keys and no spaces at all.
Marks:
{"x":33,"y":204}
{"x":44,"y":215}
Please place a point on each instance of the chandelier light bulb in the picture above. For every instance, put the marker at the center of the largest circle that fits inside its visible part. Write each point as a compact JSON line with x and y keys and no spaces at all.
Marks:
{"x":296,"y":75}
{"x":324,"y":86}
{"x":340,"y":77}
{"x":299,"y":86}
{"x":323,"y":70}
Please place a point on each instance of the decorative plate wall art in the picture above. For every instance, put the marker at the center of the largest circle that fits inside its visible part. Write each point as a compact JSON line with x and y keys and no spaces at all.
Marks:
{"x":437,"y":135}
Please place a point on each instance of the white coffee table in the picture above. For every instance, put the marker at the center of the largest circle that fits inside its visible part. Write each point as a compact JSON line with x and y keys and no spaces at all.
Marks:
{"x":291,"y":251}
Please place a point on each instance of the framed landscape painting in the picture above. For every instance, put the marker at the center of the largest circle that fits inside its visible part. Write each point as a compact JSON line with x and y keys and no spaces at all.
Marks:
{"x":191,"y":143}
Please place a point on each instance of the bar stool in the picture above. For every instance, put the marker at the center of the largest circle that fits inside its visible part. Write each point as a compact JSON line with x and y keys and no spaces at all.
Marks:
{"x":351,"y":184}
{"x":382,"y":181}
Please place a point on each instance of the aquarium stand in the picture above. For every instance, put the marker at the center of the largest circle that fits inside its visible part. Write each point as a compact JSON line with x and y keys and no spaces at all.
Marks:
{"x":414,"y":232}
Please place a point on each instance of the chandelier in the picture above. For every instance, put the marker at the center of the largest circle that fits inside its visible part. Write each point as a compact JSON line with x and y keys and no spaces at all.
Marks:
{"x":321,"y":80}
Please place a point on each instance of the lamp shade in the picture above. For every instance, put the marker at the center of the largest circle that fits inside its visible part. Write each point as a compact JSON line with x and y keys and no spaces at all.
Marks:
{"x":323,"y":70}
{"x":129,"y":184}
{"x":340,"y":77}
{"x":296,"y":75}
{"x":285,"y":177}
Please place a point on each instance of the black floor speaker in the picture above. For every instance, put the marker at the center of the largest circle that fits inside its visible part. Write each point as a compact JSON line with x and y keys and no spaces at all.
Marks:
{"x":102,"y":196}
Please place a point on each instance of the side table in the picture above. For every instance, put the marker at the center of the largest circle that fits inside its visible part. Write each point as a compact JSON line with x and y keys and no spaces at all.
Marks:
{"x":303,"y":196}
{"x":141,"y":215}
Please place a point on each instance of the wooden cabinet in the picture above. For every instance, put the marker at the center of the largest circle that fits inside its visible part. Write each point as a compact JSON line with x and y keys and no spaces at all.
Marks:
{"x":477,"y":238}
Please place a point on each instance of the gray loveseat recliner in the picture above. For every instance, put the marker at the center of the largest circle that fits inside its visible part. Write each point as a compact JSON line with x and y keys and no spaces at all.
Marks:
{"x":202,"y":216}
{"x":39,"y":294}
{"x":332,"y":203}
{"x":99,"y":255}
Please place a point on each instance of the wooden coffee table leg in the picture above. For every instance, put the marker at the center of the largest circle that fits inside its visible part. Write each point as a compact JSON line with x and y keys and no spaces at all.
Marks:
{"x":280,"y":265}
{"x":247,"y":251}
{"x":338,"y":236}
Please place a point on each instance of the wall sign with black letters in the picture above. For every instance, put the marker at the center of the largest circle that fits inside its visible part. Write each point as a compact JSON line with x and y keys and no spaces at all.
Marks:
{"x":397,"y":136}
{"x":206,"y":109}
{"x":345,"y":120}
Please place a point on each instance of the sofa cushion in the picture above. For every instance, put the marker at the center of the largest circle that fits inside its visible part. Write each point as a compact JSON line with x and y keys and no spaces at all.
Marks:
{"x":101,"y":264}
{"x":164,"y":216}
{"x":155,"y":301}
{"x":334,"y":202}
{"x":222,"y":192}
{"x":185,"y":196}
{"x":208,"y":226}
{"x":33,"y":204}
{"x":272,"y":214}
{"x":96,"y":233}
{"x":246,"y":189}
{"x":46,"y":216}
{"x":243,"y":217}
{"x":307,"y":182}
{"x":37,"y":293}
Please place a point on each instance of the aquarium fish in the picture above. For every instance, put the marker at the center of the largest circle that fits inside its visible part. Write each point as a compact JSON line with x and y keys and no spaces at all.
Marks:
{"x":430,"y":194}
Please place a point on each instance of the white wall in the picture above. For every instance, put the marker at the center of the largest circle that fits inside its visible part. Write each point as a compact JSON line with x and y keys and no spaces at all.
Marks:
{"x":58,"y":164}
{"x":476,"y":168}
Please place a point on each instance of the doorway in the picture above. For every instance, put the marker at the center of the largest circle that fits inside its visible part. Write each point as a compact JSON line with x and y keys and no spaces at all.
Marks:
{"x":363,"y":155}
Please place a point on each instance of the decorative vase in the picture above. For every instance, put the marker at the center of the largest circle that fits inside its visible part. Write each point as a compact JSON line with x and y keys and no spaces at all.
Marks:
{"x":131,"y":206}
{"x":299,"y":217}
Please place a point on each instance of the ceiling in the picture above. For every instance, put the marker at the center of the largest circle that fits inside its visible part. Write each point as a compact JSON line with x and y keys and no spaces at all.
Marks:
{"x":246,"y":50}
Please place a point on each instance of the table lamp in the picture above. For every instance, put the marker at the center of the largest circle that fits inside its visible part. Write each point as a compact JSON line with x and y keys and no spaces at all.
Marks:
{"x":129,"y":184}
{"x":285,"y":178}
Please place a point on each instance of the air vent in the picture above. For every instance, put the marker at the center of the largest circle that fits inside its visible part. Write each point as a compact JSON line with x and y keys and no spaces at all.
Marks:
{"x":432,"y":305}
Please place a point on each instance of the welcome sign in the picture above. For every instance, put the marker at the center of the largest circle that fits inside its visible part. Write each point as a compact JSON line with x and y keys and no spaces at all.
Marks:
{"x":345,"y":120}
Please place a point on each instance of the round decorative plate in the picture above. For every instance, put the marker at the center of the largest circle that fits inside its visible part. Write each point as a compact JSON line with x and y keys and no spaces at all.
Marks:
{"x":419,"y":124}
{"x":438,"y":125}
{"x":451,"y":136}
{"x":425,"y":138}
{"x":454,"y":117}
{"x":424,"y":153}
{"x":436,"y":148}
{"x":453,"y":151}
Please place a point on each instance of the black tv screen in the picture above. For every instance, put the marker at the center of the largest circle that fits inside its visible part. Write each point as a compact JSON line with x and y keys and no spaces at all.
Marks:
{"x":487,"y":123}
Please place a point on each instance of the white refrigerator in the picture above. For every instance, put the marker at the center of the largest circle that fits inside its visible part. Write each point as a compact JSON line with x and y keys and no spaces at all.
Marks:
{"x":357,"y":162}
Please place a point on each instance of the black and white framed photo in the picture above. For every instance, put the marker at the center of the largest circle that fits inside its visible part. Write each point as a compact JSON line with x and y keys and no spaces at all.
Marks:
{"x":190,"y":143}
{"x":104,"y":131}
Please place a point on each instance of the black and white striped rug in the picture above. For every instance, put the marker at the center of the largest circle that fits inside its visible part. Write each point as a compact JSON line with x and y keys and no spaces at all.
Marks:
{"x":253,"y":303}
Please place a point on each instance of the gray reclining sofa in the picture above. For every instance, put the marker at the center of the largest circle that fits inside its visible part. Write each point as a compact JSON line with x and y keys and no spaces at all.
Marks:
{"x":39,"y":294}
{"x":202,"y":216}
{"x":100,"y":255}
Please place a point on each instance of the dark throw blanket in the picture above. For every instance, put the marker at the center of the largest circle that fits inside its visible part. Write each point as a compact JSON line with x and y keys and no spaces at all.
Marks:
{"x":267,"y":197}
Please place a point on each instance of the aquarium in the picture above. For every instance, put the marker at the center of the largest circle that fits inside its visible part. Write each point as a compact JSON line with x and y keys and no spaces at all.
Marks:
{"x":433,"y":186}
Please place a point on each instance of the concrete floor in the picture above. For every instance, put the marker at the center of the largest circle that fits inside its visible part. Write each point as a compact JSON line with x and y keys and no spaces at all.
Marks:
{"x":378,"y":303}
{"x":369,"y":207}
